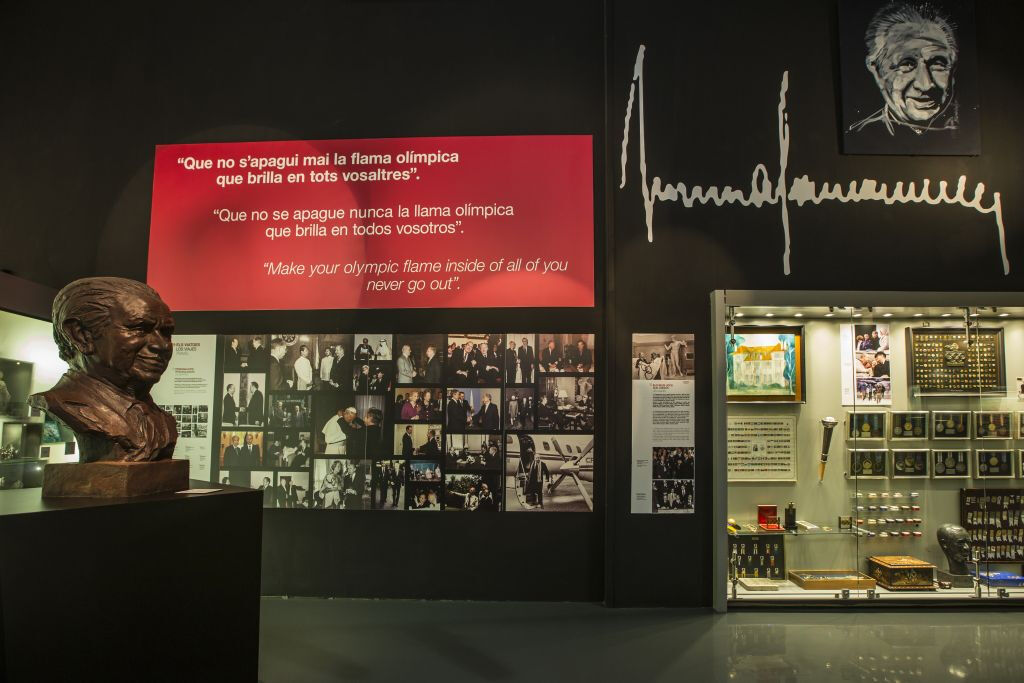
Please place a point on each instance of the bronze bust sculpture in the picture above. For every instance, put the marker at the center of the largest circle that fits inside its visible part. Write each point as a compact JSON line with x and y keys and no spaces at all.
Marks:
{"x":956,"y":544}
{"x":115,"y":335}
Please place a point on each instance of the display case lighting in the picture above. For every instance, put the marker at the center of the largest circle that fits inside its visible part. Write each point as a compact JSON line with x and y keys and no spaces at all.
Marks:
{"x":1003,"y":314}
{"x":887,"y":315}
{"x":798,"y":315}
{"x":918,"y":315}
{"x":739,"y":315}
{"x":769,"y":315}
{"x":856,"y":315}
{"x":946,"y":315}
{"x":829,"y":314}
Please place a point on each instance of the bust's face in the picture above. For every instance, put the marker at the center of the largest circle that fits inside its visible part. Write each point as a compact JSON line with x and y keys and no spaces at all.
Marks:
{"x":135,"y":346}
{"x":957,"y":545}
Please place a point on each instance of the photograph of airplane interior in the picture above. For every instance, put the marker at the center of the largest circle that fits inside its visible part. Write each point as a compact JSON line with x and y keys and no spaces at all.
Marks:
{"x":470,"y":340}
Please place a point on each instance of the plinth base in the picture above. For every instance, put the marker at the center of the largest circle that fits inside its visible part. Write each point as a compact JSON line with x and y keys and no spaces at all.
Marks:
{"x":114,"y":478}
{"x":957,"y":580}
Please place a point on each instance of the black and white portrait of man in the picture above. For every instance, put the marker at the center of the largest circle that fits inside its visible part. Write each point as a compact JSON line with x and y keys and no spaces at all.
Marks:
{"x":908,"y":77}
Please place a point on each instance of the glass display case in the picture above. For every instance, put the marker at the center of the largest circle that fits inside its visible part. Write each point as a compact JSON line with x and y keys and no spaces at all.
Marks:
{"x":868,"y":447}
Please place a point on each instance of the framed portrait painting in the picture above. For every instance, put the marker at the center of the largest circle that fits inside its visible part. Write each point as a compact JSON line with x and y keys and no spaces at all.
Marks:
{"x":909,"y":77}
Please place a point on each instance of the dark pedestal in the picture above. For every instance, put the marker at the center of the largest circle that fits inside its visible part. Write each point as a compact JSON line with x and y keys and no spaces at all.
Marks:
{"x":155,"y":588}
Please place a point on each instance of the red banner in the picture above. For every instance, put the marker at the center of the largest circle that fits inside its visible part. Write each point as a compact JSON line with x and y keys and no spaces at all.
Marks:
{"x":392,"y":223}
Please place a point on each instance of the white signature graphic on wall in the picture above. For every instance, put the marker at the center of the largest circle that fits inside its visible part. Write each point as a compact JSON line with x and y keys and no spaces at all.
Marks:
{"x":766,"y":190}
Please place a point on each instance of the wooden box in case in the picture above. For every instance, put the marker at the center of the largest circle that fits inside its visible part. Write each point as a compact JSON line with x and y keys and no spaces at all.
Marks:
{"x":830,"y":579}
{"x":902,"y":573}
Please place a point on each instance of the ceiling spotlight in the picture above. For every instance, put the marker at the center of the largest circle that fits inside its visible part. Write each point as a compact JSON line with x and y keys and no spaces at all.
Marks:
{"x":769,"y":315}
{"x":856,"y":315}
{"x":1003,"y":315}
{"x":974,"y":315}
{"x":829,"y":314}
{"x":739,"y":315}
{"x":887,"y":315}
{"x":798,"y":315}
{"x":946,"y":315}
{"x":918,"y":315}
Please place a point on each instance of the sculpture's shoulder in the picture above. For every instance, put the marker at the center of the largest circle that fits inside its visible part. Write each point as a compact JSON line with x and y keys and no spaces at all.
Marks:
{"x":74,"y":402}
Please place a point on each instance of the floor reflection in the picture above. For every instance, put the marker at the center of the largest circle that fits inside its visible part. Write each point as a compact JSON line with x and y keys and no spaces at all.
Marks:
{"x":924,"y":646}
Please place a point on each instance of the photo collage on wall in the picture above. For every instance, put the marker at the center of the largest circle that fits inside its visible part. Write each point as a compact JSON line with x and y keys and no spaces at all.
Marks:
{"x":376,"y":421}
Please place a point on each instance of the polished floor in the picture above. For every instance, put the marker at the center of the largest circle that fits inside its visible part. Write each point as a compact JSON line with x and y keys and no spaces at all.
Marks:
{"x":306,"y":640}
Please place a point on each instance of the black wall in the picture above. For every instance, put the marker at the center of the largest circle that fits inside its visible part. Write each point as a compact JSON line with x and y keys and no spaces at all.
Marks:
{"x":89,"y":91}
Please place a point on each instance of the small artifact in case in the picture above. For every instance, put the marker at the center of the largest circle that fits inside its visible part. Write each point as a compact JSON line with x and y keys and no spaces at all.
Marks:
{"x":768,"y":518}
{"x":902,"y":573}
{"x":759,"y":584}
{"x":1000,"y":579}
{"x":830,"y":579}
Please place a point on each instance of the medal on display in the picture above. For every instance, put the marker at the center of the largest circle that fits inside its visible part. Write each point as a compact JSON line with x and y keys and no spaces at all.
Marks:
{"x":961,"y":464}
{"x":897,"y":430}
{"x":949,"y":461}
{"x":939,"y":427}
{"x":994,"y":460}
{"x":917,"y":431}
{"x":949,"y":422}
{"x":939,"y":467}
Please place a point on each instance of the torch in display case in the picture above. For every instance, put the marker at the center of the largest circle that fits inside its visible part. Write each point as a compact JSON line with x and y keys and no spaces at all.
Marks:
{"x":828,"y":426}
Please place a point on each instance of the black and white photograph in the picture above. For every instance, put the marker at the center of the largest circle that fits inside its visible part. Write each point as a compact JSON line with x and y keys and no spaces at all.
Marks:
{"x":373,"y":378}
{"x":418,"y":440}
{"x":241,"y":450}
{"x":290,"y":449}
{"x":341,"y":484}
{"x":417,"y":404}
{"x":475,"y":359}
{"x":369,"y":347}
{"x":520,"y":358}
{"x":472,"y":452}
{"x":473,"y":409}
{"x":909,"y":77}
{"x":672,"y":495}
{"x":566,"y":353}
{"x":292,"y":357}
{"x":662,"y":356}
{"x":387,"y":485}
{"x":244,"y":402}
{"x":479,"y":492}
{"x":292,"y":490}
{"x":419,"y":359}
{"x":262,"y":480}
{"x":549,"y":472}
{"x":672,"y":463}
{"x":332,"y":362}
{"x":291,"y":411}
{"x":519,"y":408}
{"x":566,"y":404}
{"x":246,"y":353}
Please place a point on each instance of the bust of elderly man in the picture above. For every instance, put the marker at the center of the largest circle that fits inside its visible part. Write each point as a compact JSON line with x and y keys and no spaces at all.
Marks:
{"x":956,"y":545}
{"x":115,"y":335}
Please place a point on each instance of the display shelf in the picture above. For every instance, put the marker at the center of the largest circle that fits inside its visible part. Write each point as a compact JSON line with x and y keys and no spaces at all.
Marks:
{"x":790,"y":591}
{"x":798,"y":532}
